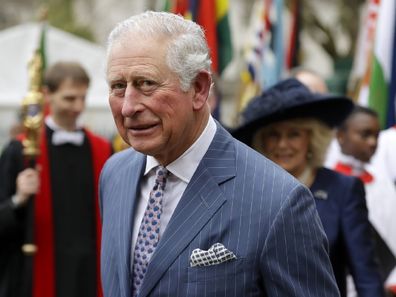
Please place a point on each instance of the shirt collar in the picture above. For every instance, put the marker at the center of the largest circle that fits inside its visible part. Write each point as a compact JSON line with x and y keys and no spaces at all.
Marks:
{"x":185,"y":166}
{"x":60,"y":136}
{"x":356,"y":165}
{"x":49,"y":121}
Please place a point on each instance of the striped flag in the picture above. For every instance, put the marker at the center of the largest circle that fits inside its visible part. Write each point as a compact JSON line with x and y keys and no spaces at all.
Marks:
{"x":251,"y":80}
{"x":168,"y":5}
{"x":361,"y":70}
{"x":223,"y":35}
{"x":382,"y":80}
{"x":212,"y":15}
{"x":273,"y":55}
{"x":391,"y":120}
{"x":294,"y":42}
{"x":264,"y":52}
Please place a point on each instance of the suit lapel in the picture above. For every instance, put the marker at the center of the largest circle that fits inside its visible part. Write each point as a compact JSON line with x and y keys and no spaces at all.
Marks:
{"x":130,"y":183}
{"x":200,"y":201}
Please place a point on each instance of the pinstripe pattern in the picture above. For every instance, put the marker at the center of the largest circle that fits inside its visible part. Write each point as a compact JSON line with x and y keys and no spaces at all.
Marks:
{"x":236,"y":197}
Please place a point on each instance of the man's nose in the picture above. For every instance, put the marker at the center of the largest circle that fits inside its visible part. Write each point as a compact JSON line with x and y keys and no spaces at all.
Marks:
{"x":79,"y":104}
{"x":372,"y":141}
{"x":132,"y":101}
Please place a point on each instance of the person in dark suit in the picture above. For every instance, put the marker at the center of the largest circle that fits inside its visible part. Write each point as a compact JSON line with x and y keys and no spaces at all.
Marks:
{"x":188,"y":210}
{"x":292,"y":126}
{"x":61,"y":193}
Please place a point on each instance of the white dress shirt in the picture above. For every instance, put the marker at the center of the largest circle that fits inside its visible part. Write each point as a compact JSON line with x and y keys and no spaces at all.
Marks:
{"x":180,"y":173}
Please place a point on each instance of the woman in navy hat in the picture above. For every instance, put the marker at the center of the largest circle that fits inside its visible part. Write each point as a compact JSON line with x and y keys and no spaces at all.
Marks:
{"x":293,"y":127}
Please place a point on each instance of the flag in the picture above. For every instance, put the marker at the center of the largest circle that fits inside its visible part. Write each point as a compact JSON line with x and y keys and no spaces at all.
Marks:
{"x":273,"y":47}
{"x":168,"y":5}
{"x":359,"y":80}
{"x":391,"y":119}
{"x":42,"y":47}
{"x":294,"y":44}
{"x":212,"y":16}
{"x":264,"y":50}
{"x":224,"y":43}
{"x":251,"y":81}
{"x":382,"y":84}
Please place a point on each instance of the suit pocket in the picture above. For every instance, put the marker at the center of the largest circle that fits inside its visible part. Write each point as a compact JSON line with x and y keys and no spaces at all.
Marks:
{"x":223,"y":271}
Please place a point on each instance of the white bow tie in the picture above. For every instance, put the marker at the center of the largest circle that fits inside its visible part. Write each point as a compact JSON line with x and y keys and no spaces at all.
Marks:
{"x":61,"y":137}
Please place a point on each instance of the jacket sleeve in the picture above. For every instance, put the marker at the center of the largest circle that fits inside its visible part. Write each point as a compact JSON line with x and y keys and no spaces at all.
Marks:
{"x":359,"y":243}
{"x":295,"y":258}
{"x":11,"y":163}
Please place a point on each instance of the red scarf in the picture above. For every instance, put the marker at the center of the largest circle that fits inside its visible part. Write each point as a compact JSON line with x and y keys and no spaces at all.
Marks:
{"x":44,"y":260}
{"x":392,"y":289}
{"x":346,"y":169}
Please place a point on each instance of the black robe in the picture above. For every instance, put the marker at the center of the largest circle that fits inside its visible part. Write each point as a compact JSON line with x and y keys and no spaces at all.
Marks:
{"x":72,"y":186}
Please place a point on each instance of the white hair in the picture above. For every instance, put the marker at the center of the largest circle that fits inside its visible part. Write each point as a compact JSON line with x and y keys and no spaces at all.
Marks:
{"x":187,"y":51}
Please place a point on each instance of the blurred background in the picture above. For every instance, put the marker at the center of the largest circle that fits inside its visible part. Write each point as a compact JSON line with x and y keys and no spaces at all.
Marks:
{"x":254,"y":43}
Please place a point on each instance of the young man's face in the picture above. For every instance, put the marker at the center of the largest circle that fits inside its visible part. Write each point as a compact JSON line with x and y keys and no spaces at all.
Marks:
{"x":360,"y":136}
{"x":67,"y":103}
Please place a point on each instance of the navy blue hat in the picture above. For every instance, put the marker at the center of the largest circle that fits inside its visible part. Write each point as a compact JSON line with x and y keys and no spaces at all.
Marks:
{"x":291,"y":99}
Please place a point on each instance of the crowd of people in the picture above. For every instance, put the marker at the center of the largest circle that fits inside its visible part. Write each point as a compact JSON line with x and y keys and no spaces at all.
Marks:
{"x":297,"y":200}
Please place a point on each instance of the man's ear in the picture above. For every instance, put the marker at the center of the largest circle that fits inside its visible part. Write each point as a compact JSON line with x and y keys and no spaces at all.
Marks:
{"x":201,"y":86}
{"x":340,"y":136}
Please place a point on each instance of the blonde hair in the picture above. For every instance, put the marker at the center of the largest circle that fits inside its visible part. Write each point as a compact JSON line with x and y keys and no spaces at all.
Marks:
{"x":320,"y":138}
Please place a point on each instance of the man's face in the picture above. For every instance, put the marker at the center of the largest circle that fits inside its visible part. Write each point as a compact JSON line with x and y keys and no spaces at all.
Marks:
{"x":152,"y":113}
{"x":359,"y":138}
{"x":67,"y":103}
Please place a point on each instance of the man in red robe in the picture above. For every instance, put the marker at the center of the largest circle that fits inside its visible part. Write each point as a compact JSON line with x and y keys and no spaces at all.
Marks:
{"x":66,"y":225}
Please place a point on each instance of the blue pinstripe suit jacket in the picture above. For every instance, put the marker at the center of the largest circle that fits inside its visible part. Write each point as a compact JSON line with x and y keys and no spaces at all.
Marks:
{"x":236,"y":197}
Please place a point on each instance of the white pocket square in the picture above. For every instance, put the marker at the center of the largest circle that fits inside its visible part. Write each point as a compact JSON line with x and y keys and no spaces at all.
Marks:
{"x":216,"y":254}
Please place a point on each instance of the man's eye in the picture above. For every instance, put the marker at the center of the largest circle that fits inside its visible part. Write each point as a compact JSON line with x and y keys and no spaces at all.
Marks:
{"x":118,"y":88}
{"x":145,"y":85}
{"x":69,"y":98}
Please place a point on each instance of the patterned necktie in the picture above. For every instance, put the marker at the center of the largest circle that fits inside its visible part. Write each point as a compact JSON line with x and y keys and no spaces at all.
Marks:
{"x":148,"y":235}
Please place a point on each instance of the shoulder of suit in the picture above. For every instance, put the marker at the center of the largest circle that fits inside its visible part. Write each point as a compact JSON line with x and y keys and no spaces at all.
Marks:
{"x":125,"y":158}
{"x":253,"y":158}
{"x":337,"y":180}
{"x":260,"y":169}
{"x":335,"y":176}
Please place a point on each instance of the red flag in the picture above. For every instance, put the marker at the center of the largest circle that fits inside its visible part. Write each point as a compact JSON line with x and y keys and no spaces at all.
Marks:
{"x":206,"y":17}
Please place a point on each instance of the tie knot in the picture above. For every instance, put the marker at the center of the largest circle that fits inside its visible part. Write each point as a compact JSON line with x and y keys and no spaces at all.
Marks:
{"x":161,"y":175}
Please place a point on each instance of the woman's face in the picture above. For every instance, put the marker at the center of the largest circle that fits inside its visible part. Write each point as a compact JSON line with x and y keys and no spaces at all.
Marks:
{"x":287,"y":145}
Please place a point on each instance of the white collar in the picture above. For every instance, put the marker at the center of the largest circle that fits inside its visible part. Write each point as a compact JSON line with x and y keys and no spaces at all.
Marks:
{"x":49,"y":120}
{"x":185,"y":166}
{"x":61,"y":136}
{"x":357,"y":166}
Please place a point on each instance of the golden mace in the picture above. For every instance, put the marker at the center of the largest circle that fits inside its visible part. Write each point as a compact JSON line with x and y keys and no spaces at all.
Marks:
{"x":33,"y":115}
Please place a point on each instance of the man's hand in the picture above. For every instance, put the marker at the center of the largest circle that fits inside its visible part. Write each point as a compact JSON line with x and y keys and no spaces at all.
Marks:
{"x":28,"y":183}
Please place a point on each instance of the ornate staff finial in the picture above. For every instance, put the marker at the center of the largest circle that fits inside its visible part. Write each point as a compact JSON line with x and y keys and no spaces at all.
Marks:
{"x":32,"y":108}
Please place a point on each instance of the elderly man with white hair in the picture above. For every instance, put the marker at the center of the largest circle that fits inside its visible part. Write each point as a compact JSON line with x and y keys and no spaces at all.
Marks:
{"x":189,"y":210}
